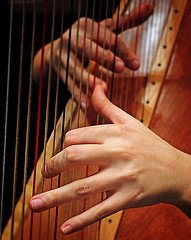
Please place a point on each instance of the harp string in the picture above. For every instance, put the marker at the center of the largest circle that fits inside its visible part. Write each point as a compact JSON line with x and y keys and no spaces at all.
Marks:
{"x":135,"y":84}
{"x":91,"y":118}
{"x":17,"y":142}
{"x":128,"y":99}
{"x":125,"y":79}
{"x":81,"y":82}
{"x":148,"y":54}
{"x":89,"y":60}
{"x":6,"y":114}
{"x":63,"y":178}
{"x":82,"y":62}
{"x":109,"y":81}
{"x":119,"y":85}
{"x":39,"y":110}
{"x":56,"y":108}
{"x":28,"y":119}
{"x":71,"y":175}
{"x":47,"y":117}
{"x":101,"y":68}
{"x":133,"y":80}
{"x":107,"y":71}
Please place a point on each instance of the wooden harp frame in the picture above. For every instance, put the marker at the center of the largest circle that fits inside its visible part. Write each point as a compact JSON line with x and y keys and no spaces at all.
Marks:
{"x":110,"y":224}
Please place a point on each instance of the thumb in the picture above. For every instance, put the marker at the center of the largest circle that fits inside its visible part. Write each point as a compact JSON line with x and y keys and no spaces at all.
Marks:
{"x":133,"y":19}
{"x":107,"y":109}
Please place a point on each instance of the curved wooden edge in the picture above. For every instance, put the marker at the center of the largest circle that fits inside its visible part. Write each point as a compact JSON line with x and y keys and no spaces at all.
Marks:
{"x":109,"y":225}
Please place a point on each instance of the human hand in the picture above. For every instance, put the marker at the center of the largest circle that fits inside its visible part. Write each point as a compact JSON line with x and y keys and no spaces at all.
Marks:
{"x":92,"y":41}
{"x":137,"y":168}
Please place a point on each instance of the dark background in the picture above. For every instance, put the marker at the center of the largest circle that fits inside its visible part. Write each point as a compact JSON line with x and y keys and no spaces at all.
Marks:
{"x":14,"y":83}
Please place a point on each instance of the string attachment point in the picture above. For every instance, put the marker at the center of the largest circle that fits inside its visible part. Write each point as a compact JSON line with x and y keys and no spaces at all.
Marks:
{"x":110,"y":220}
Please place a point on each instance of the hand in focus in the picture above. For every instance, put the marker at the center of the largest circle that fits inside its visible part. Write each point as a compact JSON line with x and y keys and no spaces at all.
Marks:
{"x":92,"y":42}
{"x":137,"y":168}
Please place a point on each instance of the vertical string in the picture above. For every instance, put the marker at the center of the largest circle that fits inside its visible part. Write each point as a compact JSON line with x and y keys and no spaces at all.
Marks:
{"x":107,"y":67}
{"x":91,"y":109}
{"x":47,"y":117}
{"x":107,"y":78}
{"x":64,"y":111}
{"x":77,"y":209}
{"x":39,"y":109}
{"x":89,"y":60}
{"x":56,"y":108}
{"x":18,"y":118}
{"x":28,"y":119}
{"x":124,"y":84}
{"x":6,"y":114}
{"x":114,"y":51}
{"x":128,"y":81}
{"x":72,"y":174}
{"x":149,"y":57}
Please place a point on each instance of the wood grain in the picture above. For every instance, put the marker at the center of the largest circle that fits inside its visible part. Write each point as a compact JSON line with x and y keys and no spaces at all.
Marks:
{"x":171,"y":121}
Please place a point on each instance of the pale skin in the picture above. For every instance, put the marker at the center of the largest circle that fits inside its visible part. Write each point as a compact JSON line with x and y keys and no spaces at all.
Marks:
{"x":93,"y":47}
{"x":138,"y":167}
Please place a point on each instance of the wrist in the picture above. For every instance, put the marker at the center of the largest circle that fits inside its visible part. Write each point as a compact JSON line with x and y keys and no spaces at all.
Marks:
{"x":184,"y":201}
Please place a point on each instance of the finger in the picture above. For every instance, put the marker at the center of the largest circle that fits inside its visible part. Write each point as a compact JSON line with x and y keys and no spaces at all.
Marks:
{"x":82,"y":188}
{"x":77,"y":93}
{"x":77,"y":155}
{"x":92,"y":50}
{"x":107,"y":109}
{"x":79,"y":74}
{"x":101,"y":210}
{"x":90,"y":135}
{"x":135,"y":18}
{"x":107,"y":39}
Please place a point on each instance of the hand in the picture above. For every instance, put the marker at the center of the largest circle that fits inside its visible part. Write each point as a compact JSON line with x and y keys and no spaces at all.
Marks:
{"x":137,"y":168}
{"x":89,"y":46}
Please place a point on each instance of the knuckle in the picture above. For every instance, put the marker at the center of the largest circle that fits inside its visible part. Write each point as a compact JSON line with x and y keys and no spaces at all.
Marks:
{"x":101,"y":213}
{"x":69,"y":138}
{"x":82,"y":221}
{"x":71,"y":153}
{"x":83,"y":189}
{"x":54,"y":199}
{"x":108,"y":56}
{"x":82,"y":21}
{"x":85,"y":21}
{"x":50,"y":167}
{"x":81,"y":44}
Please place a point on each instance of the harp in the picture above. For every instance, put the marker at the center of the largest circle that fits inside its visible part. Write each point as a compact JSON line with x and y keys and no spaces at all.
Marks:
{"x":142,"y":90}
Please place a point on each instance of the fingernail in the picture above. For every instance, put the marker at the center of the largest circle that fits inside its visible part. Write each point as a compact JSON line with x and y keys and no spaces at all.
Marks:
{"x":119,"y":65}
{"x":67,"y":229}
{"x":135,"y":64}
{"x":83,"y":104}
{"x":37,"y":204}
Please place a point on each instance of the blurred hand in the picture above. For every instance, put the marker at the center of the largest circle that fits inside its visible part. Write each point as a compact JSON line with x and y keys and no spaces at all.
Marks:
{"x":92,"y":41}
{"x":137,"y":168}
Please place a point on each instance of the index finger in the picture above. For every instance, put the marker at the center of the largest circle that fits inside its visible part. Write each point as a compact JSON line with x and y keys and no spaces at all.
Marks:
{"x":133,"y":19}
